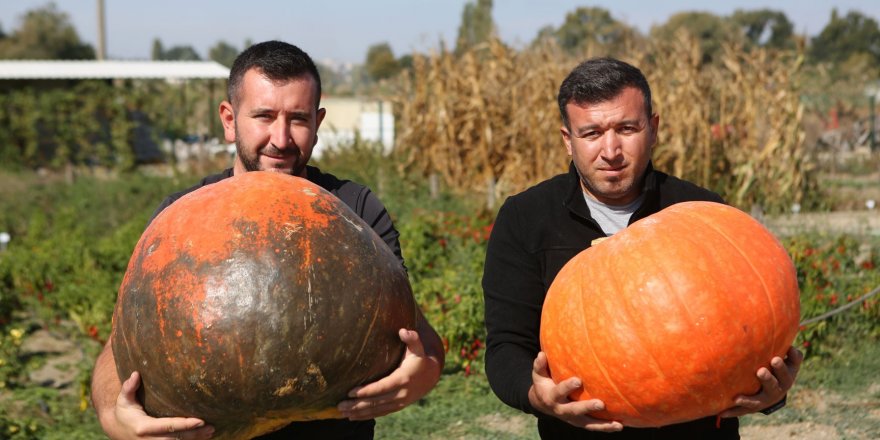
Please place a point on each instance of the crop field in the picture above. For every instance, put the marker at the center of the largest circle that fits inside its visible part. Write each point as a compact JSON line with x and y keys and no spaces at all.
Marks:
{"x":472,"y":130}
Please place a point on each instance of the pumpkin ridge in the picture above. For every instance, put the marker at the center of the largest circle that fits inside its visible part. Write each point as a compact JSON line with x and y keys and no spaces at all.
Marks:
{"x":598,"y":362}
{"x":683,"y":304}
{"x":376,"y":314}
{"x":770,"y":302}
{"x":656,"y":366}
{"x":365,"y":340}
{"x":161,"y":400}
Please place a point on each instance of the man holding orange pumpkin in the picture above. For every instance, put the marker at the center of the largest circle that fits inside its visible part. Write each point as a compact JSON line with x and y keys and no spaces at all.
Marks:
{"x":609,"y":130}
{"x":272,"y":114}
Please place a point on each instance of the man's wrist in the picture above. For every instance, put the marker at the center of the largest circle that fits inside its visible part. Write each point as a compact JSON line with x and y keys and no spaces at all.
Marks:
{"x":775,"y":407}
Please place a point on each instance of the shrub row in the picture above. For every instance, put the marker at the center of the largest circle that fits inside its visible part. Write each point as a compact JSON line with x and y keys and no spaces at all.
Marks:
{"x":71,"y":243}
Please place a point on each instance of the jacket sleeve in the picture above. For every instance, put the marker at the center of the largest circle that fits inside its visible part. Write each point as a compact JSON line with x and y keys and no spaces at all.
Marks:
{"x":373,"y":212}
{"x":514,"y":294}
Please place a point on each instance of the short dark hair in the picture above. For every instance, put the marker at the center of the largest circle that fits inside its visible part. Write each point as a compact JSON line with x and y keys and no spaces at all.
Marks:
{"x":277,"y":60}
{"x":598,"y":80}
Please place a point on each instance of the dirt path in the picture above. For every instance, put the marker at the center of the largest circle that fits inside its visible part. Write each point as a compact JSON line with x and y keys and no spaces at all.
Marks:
{"x":865,"y":222}
{"x":800,"y":431}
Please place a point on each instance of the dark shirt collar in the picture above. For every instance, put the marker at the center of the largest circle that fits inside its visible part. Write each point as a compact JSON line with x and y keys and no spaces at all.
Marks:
{"x":575,"y":202}
{"x":312,"y":173}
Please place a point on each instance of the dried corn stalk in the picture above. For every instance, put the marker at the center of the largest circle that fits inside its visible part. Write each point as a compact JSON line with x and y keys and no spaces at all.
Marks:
{"x":487,"y":121}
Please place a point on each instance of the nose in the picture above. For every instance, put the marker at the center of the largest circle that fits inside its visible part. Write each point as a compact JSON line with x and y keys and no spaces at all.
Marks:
{"x":282,"y":136}
{"x":611,"y":145}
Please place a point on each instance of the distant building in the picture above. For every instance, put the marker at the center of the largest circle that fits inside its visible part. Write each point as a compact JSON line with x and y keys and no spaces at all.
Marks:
{"x":371,"y":120}
{"x":117,"y":69}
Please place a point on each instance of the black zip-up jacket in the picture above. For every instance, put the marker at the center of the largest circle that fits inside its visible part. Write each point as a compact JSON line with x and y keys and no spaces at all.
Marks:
{"x":535,"y":233}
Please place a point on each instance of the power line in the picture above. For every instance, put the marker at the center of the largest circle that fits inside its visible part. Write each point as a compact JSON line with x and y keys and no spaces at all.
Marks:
{"x":842,"y":308}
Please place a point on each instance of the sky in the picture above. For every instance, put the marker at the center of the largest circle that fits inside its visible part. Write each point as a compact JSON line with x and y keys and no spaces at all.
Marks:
{"x":343,"y":30}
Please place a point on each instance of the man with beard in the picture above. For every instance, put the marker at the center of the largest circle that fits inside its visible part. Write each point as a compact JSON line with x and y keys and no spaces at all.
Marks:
{"x":609,"y":130}
{"x":272,"y":112}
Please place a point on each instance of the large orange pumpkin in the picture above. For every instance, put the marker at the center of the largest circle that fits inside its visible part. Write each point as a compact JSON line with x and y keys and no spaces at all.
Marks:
{"x":257,"y":301}
{"x":670,"y":319}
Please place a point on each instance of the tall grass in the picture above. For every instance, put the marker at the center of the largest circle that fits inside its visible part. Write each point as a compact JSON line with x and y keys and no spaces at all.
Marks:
{"x":735,"y":127}
{"x":487,"y":121}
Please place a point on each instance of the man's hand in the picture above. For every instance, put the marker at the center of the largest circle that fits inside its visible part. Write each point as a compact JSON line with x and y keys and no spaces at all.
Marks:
{"x":417,"y":374}
{"x":123,"y":417}
{"x":552,"y":399}
{"x":131,"y":422}
{"x":774,"y":385}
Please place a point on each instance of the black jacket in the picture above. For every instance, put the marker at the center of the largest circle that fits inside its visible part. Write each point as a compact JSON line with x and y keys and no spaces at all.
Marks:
{"x":535,"y":233}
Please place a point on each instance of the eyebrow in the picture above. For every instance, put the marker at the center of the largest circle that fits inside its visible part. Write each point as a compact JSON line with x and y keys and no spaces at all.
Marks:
{"x":584,"y":128}
{"x":297,"y":113}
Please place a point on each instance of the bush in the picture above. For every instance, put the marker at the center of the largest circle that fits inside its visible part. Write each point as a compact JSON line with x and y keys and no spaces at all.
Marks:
{"x":71,"y":244}
{"x":445,"y":258}
{"x":833,"y":271}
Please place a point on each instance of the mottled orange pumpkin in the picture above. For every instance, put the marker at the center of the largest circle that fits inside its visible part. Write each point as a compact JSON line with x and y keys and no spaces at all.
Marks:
{"x":670,"y":319}
{"x":256,"y":301}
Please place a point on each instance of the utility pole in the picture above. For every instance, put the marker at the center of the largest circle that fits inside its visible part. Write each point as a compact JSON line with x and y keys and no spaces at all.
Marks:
{"x":102,"y":40}
{"x":872,"y":122}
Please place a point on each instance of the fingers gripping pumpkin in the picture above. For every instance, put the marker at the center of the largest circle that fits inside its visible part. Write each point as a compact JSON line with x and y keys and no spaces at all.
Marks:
{"x":670,"y":319}
{"x":257,"y":301}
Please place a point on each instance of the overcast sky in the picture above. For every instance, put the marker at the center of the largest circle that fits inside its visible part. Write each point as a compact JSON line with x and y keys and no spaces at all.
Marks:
{"x":343,"y":30}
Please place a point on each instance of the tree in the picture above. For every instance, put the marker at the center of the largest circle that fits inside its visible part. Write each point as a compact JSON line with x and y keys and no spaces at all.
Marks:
{"x":223,"y":53}
{"x":476,"y":25}
{"x":182,"y":53}
{"x":157,"y":51}
{"x":45,"y":33}
{"x":765,"y":28}
{"x":381,"y":63}
{"x":330,"y":79}
{"x":405,"y":62}
{"x":547,"y":32}
{"x":176,"y":53}
{"x":709,"y":29}
{"x":854,"y":35}
{"x":590,"y":27}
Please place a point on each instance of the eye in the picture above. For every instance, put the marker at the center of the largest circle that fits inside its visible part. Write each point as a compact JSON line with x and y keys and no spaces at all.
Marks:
{"x":299,"y":118}
{"x":629,"y":129}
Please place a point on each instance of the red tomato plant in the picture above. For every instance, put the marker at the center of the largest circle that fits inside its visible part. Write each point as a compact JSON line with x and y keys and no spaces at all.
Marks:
{"x":444,"y":252}
{"x":833,"y":271}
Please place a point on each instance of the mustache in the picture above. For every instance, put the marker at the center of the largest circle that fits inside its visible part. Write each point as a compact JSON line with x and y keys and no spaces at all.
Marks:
{"x":271,"y":150}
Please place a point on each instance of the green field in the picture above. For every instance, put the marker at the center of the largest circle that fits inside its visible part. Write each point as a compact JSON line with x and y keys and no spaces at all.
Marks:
{"x":71,"y":243}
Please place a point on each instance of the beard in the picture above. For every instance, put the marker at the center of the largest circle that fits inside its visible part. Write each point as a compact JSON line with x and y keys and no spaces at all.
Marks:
{"x":612,"y":189}
{"x":251,"y":162}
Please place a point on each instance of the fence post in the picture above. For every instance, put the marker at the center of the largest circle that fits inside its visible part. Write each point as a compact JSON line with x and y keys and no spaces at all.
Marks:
{"x":434,"y":185}
{"x":490,"y":193}
{"x":4,"y":240}
{"x":871,"y":141}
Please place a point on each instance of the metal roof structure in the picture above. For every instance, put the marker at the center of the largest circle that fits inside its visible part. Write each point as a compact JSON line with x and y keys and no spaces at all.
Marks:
{"x":90,"y":69}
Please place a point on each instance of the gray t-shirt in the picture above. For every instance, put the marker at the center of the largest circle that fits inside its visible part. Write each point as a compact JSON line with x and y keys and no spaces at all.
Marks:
{"x":612,"y":218}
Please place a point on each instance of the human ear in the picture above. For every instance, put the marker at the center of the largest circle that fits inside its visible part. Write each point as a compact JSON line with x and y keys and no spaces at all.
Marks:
{"x":227,"y":118}
{"x":566,"y":138}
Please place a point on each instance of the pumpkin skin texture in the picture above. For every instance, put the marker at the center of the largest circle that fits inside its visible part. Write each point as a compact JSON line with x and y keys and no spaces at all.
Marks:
{"x":256,"y":301}
{"x":669,"y":320}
